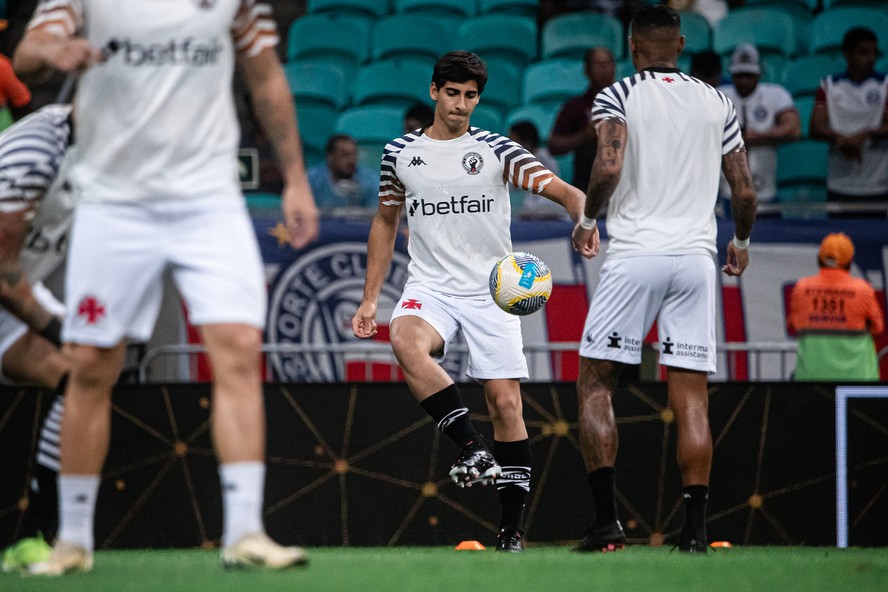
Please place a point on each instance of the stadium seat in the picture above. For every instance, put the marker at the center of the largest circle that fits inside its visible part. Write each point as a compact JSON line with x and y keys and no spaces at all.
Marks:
{"x":804,"y":105}
{"x":466,"y":8}
{"x":882,"y":64}
{"x":339,"y":39}
{"x":520,"y":7}
{"x":809,"y":5}
{"x":772,"y":32}
{"x":542,"y":117}
{"x":801,"y":178}
{"x":488,"y":118}
{"x":396,"y":82}
{"x":317,"y":82}
{"x":315,"y":124}
{"x":504,"y":86}
{"x":259,"y":202}
{"x":802,"y":75}
{"x":570,"y":35}
{"x":409,"y":35}
{"x":625,"y":68}
{"x":698,"y":36}
{"x":831,"y":4}
{"x":368,"y":8}
{"x":372,"y":127}
{"x":508,"y":38}
{"x":551,"y":82}
{"x":829,"y":26}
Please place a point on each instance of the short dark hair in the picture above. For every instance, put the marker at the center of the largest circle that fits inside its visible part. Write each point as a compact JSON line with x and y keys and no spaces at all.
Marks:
{"x":706,"y":63}
{"x":655,"y":16}
{"x":855,"y":36}
{"x":460,"y":66}
{"x":330,"y":148}
{"x":527,"y":131}
{"x":420,"y":112}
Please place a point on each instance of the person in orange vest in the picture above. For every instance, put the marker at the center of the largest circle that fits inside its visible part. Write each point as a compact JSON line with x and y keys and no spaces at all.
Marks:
{"x":836,"y":316}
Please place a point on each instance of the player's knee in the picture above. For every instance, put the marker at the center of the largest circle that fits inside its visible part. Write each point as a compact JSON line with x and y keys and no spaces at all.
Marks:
{"x":506,"y":407}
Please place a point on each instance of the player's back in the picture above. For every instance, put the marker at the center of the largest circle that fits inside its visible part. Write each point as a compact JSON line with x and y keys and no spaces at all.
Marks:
{"x":678,"y":129}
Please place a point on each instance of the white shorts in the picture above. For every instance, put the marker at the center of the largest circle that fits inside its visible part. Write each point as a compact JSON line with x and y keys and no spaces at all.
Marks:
{"x":496,"y":349}
{"x":678,"y":291}
{"x":120,"y":251}
{"x":12,"y":328}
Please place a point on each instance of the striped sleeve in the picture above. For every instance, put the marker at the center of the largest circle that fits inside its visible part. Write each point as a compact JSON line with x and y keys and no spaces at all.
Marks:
{"x":62,"y":18}
{"x":391,"y":189}
{"x":254,"y":29}
{"x":732,"y":140}
{"x":31,"y":152}
{"x":520,"y":167}
{"x":611,"y":102}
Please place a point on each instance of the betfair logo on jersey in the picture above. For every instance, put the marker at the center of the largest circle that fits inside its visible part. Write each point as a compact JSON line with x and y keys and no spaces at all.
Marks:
{"x":187,"y":52}
{"x":456,"y":205}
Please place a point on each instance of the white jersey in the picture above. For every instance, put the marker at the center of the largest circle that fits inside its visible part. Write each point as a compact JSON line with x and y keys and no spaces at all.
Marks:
{"x":854,"y":107}
{"x":678,"y":130}
{"x":157,"y":119}
{"x":457,"y":198}
{"x":32,"y":176}
{"x":759,"y":112}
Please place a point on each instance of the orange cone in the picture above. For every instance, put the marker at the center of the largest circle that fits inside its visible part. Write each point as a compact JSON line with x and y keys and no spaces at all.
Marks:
{"x":469,"y":546}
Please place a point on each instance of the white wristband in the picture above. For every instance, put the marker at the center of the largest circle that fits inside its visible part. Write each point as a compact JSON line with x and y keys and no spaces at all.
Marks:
{"x":741,"y":244}
{"x":587,"y":223}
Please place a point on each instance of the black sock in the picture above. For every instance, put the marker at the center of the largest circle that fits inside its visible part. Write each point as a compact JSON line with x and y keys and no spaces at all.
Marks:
{"x":695,"y":499}
{"x":447,"y":409}
{"x":514,"y":485}
{"x":603,"y":482}
{"x":41,"y":516}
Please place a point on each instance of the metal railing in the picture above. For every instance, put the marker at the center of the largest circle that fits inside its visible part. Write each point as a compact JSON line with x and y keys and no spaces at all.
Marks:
{"x":760,"y":357}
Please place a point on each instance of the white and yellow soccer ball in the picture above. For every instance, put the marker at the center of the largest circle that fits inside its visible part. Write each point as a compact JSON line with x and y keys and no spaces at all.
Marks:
{"x":520,"y":283}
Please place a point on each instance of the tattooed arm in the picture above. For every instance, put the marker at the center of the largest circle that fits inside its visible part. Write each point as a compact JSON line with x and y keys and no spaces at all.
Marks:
{"x":606,"y":171}
{"x":736,"y":170}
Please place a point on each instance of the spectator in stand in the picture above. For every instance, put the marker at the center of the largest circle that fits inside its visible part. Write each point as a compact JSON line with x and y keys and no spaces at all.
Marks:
{"x":573,"y":130}
{"x":527,"y":204}
{"x":767,"y":118}
{"x":851,"y":112}
{"x":836,"y":317}
{"x":14,"y":95}
{"x":417,"y":115}
{"x":339,"y":181}
{"x":707,"y":66}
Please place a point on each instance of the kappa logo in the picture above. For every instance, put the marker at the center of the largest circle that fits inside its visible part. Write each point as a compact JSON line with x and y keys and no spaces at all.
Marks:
{"x":417,"y":161}
{"x":472,"y":163}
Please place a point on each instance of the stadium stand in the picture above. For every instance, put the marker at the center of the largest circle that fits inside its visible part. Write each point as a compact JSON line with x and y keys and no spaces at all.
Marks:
{"x":507,"y":38}
{"x":695,"y":28}
{"x":465,"y":8}
{"x":802,"y":75}
{"x":570,"y":35}
{"x":771,"y":32}
{"x":395,"y":82}
{"x":542,"y":117}
{"x":830,"y":25}
{"x":488,"y":118}
{"x":317,"y":83}
{"x":504,"y":87}
{"x":801,"y":178}
{"x":551,"y":82}
{"x":409,"y":35}
{"x":343,"y":40}
{"x":372,"y":126}
{"x":804,"y":105}
{"x":520,"y":7}
{"x":367,"y":8}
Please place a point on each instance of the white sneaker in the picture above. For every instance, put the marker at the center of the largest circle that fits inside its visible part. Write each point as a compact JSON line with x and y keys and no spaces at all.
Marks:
{"x":258,"y":550}
{"x":63,"y":558}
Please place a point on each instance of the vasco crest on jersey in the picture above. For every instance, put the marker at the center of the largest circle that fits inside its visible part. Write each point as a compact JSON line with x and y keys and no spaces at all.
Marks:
{"x":472,"y":163}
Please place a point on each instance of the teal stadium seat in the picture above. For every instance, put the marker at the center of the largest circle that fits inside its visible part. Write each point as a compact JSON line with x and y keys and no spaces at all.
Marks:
{"x":551,"y":82}
{"x":317,"y":83}
{"x":395,"y":82}
{"x":409,"y":35}
{"x":625,"y":68}
{"x":464,"y":8}
{"x":343,"y":40}
{"x":801,"y":178}
{"x":802,"y":75}
{"x":504,"y":87}
{"x":804,"y":105}
{"x":809,"y":5}
{"x":541,"y":116}
{"x":802,"y":16}
{"x":831,"y":4}
{"x":830,"y":26}
{"x":316,"y":123}
{"x":570,"y":35}
{"x":368,"y":8}
{"x":507,"y":38}
{"x":520,"y":7}
{"x":263,"y":203}
{"x":771,"y":32}
{"x":488,"y":118}
{"x":698,"y":35}
{"x":882,"y":64}
{"x":372,"y":127}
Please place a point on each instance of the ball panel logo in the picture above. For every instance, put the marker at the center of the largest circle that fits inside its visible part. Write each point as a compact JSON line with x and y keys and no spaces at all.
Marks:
{"x":472,"y":163}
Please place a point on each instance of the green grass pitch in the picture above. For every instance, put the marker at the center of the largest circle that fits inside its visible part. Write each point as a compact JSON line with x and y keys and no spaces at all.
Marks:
{"x":539,"y":569}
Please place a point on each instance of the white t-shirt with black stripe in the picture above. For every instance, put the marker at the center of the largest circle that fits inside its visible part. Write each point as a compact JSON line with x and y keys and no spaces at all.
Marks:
{"x":678,"y":130}
{"x":457,"y":201}
{"x":32,"y":162}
